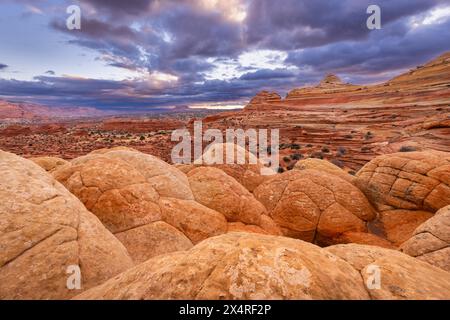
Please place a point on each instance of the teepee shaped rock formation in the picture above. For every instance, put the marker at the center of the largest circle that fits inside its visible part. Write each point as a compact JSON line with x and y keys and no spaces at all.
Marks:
{"x":330,"y":80}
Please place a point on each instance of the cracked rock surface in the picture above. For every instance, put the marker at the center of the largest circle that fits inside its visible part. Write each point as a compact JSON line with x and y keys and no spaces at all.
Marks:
{"x":44,"y":229}
{"x":411,"y":181}
{"x":255,"y":266}
{"x":431,"y":240}
{"x":401,"y":277}
{"x":315,"y":206}
{"x":149,"y":205}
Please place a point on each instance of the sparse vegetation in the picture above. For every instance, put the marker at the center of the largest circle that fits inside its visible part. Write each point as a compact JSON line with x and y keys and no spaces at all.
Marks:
{"x":408,"y":149}
{"x":341,"y":151}
{"x":325,"y":149}
{"x":317,"y":155}
{"x":368,"y":135}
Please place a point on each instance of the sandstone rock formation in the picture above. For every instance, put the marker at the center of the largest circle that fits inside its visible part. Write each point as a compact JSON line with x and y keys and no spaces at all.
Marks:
{"x":431,"y":241}
{"x":216,"y":190}
{"x":149,"y":206}
{"x":401,"y":277}
{"x":323,"y":165}
{"x":238,"y":266}
{"x":315,"y":206}
{"x":250,"y":174}
{"x":123,"y":188}
{"x":250,"y":266}
{"x":195,"y":220}
{"x":49,"y":163}
{"x":364,"y":238}
{"x":412,"y":181}
{"x":330,"y":79}
{"x":399,"y":225}
{"x":44,"y":230}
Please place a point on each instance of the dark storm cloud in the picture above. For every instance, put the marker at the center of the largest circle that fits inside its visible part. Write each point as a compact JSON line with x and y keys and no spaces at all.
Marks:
{"x":118,"y":7}
{"x":50,"y":72}
{"x":107,"y":94}
{"x":379,"y":54}
{"x":106,"y":37}
{"x":295,"y":24}
{"x":179,"y":38}
{"x":197,"y":33}
{"x":171,"y":33}
{"x":268,"y":74}
{"x":3,"y":66}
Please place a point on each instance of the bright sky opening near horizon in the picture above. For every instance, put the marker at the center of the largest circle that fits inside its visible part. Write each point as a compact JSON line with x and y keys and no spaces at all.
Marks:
{"x":144,"y":54}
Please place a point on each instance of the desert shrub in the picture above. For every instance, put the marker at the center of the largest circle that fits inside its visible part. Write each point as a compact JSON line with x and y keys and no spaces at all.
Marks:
{"x":317,"y":155}
{"x":341,"y":151}
{"x":290,"y":167}
{"x":348,"y":136}
{"x":295,"y":146}
{"x":352,"y":172}
{"x":142,"y":138}
{"x":296,"y":156}
{"x":280,"y":170}
{"x":309,"y":145}
{"x":325,"y":149}
{"x":368,"y":135}
{"x":287,"y":159}
{"x":408,"y":149}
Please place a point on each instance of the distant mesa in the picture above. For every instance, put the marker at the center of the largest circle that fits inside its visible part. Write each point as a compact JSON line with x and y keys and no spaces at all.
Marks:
{"x":11,"y":112}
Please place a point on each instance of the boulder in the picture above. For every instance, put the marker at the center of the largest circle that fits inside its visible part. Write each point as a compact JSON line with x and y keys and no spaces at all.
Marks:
{"x":249,"y":174}
{"x":123,"y":188}
{"x":410,"y":181}
{"x":248,"y":266}
{"x":196,"y":221}
{"x":216,"y":190}
{"x":44,"y":232}
{"x":238,"y":266}
{"x":145,"y":202}
{"x":315,"y":206}
{"x":323,"y":165}
{"x":401,"y":277}
{"x":431,"y":240}
{"x":49,"y":163}
{"x":399,"y":225}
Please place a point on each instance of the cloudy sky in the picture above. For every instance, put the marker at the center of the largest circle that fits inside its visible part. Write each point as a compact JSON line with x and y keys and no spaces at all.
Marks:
{"x":140,"y":54}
